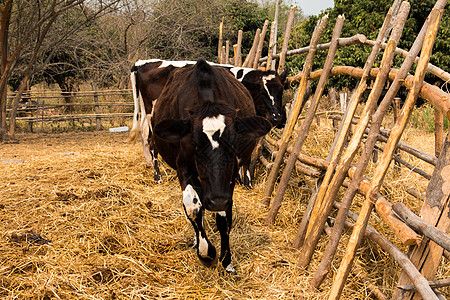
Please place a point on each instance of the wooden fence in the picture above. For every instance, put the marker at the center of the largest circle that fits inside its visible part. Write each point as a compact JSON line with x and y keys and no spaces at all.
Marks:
{"x":40,"y":108}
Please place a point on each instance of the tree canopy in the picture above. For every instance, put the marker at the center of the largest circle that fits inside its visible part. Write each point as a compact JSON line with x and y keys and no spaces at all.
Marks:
{"x":366,"y":17}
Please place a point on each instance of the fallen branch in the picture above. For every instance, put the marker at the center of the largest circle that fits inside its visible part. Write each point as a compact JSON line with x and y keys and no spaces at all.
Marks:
{"x":439,"y":237}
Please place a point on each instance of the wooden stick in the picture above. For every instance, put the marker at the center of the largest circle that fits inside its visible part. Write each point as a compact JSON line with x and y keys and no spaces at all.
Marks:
{"x":398,"y":159}
{"x":260,"y":45}
{"x":324,"y":198}
{"x":359,"y":271}
{"x":304,"y":129}
{"x":438,"y":131}
{"x":380,"y":171}
{"x":413,"y":192}
{"x":406,"y":235}
{"x":287,"y":34}
{"x":433,"y":284}
{"x":219,"y":47}
{"x":251,"y":55}
{"x":227,"y":52}
{"x":275,"y":30}
{"x":294,"y":112}
{"x":238,"y":57}
{"x":272,"y":43}
{"x":439,"y":237}
{"x":397,"y":164}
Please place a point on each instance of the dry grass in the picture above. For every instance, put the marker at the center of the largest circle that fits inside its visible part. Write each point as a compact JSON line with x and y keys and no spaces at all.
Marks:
{"x":106,"y":231}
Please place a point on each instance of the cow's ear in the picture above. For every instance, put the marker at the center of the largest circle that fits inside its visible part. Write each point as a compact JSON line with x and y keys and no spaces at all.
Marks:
{"x":172,"y":130}
{"x":252,"y":127}
{"x":283,"y":76}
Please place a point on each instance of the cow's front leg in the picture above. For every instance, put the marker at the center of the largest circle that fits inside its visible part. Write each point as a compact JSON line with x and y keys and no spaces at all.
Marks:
{"x":156,"y":171}
{"x":224,"y":222}
{"x":195,"y":211}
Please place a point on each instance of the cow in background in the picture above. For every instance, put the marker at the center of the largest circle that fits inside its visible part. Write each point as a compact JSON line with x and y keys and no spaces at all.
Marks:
{"x":203,"y":123}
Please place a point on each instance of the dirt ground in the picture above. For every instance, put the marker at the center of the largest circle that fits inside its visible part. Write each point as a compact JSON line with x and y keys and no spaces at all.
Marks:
{"x":81,"y":218}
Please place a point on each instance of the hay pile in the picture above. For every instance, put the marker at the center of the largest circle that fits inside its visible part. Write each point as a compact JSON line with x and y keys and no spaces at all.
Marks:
{"x":82,"y":219}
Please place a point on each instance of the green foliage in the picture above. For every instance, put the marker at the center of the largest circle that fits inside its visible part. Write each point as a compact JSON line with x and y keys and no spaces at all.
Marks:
{"x":423,"y":117}
{"x":366,"y":17}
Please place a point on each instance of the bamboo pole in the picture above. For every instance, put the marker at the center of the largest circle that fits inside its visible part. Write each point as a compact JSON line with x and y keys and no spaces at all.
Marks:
{"x":272,"y":44}
{"x":320,"y":27}
{"x":260,"y":44}
{"x":251,"y":55}
{"x":238,"y":56}
{"x":380,"y":171}
{"x":304,"y":129}
{"x":287,"y":34}
{"x":318,"y":216}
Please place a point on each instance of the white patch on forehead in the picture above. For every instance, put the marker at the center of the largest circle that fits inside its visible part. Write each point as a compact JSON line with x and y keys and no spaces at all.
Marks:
{"x":222,"y":213}
{"x":211,"y":125}
{"x":244,"y":70}
{"x":265,"y":79}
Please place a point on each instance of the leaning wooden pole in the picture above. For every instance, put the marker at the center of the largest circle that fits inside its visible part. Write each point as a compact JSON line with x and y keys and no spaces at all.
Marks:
{"x":275,"y":30}
{"x":287,"y":34}
{"x":314,"y":227}
{"x":270,"y":183}
{"x":248,"y":62}
{"x":272,"y":44}
{"x":304,"y":129}
{"x":380,"y":171}
{"x":355,"y":142}
{"x":260,"y":44}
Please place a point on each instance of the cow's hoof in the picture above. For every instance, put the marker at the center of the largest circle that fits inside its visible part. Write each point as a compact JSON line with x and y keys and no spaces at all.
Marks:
{"x":230,"y":268}
{"x":157,"y":178}
{"x":211,"y":260}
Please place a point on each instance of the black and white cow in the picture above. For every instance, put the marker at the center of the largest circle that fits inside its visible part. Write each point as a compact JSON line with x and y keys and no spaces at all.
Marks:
{"x":149,"y":77}
{"x":203,"y":119}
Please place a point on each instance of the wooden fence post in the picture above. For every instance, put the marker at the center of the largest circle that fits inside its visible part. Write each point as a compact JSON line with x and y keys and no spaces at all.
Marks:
{"x":219,"y":46}
{"x":98,"y":120}
{"x":238,"y":56}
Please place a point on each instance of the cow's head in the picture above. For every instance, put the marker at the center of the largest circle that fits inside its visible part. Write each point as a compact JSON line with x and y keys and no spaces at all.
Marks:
{"x":267,"y":88}
{"x":210,"y":134}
